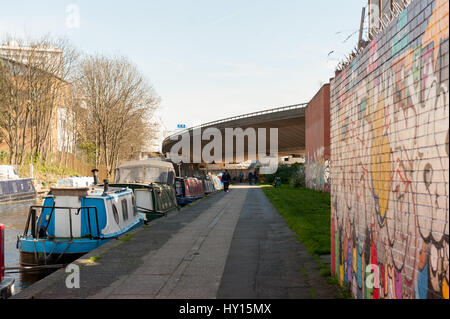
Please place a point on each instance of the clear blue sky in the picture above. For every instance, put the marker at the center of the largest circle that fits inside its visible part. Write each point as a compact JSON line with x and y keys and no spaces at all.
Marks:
{"x":207,"y":59}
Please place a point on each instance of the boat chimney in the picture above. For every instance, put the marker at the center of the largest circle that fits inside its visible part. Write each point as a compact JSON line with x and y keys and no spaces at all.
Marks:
{"x":95,"y":174}
{"x":106,"y":185}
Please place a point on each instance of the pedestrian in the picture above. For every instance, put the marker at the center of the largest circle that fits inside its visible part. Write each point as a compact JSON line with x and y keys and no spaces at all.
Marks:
{"x":277,"y":181}
{"x":255,"y":176}
{"x":241,"y":177}
{"x":226,"y":178}
{"x":250,"y":178}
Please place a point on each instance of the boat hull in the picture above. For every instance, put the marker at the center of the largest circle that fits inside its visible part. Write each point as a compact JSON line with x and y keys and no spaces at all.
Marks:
{"x":15,"y":190}
{"x":38,"y":252}
{"x":17,"y":198}
{"x":163,"y":199}
{"x":31,"y":259}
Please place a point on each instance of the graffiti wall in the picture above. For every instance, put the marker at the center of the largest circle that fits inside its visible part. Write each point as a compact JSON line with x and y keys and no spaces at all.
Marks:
{"x":317,"y":141}
{"x":390,"y":160}
{"x":317,"y":170}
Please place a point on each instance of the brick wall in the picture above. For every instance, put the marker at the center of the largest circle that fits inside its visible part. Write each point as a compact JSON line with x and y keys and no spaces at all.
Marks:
{"x":317,"y":139}
{"x":390,"y":160}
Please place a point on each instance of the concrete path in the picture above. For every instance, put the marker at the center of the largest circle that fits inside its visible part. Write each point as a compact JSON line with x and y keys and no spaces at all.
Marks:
{"x":229,"y":245}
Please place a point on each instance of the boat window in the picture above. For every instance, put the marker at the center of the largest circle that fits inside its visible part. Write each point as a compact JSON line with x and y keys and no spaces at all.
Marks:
{"x":1,"y":189}
{"x":141,"y":175}
{"x":115,"y":213}
{"x":171,"y":178}
{"x":14,"y":186}
{"x":124,"y":209}
{"x":133,"y":202}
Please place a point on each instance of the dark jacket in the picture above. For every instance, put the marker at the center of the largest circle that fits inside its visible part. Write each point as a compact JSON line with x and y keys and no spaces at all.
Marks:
{"x":226,"y":177}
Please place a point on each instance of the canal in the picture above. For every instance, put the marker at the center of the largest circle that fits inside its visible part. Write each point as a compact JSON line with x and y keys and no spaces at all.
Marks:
{"x":14,"y":217}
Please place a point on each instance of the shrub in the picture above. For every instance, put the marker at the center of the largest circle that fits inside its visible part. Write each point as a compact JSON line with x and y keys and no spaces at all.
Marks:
{"x":290,"y":174}
{"x":297,"y":178}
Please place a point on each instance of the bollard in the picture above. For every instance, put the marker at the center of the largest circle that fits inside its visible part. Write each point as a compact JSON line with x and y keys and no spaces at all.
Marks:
{"x":2,"y":251}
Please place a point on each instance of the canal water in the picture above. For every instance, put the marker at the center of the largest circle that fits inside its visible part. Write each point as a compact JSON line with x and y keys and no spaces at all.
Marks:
{"x":14,"y":217}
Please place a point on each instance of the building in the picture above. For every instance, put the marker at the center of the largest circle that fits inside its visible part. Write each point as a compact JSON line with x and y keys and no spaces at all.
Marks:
{"x":43,"y":56}
{"x":317,"y":140}
{"x":16,"y":62}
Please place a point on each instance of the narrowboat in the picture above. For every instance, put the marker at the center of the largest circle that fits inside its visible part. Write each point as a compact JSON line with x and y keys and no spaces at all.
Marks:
{"x":208,"y":185}
{"x":188,"y":190}
{"x":13,"y":188}
{"x":218,"y":185}
{"x":75,"y":181}
{"x":72,"y":221}
{"x":153,"y":184}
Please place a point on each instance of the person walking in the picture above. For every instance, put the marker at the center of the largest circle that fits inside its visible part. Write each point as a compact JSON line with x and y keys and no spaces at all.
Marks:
{"x":250,"y":178}
{"x":241,"y":177}
{"x":226,"y":179}
{"x":255,"y":176}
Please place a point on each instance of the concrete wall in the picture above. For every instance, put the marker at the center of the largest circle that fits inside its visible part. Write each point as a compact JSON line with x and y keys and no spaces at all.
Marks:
{"x":317,"y":140}
{"x":390,"y":160}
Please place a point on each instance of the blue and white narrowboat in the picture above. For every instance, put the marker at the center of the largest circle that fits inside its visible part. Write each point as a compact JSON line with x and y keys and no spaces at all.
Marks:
{"x":75,"y":220}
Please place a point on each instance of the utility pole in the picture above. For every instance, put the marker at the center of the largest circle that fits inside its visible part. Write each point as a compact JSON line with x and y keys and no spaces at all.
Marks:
{"x":361,"y":26}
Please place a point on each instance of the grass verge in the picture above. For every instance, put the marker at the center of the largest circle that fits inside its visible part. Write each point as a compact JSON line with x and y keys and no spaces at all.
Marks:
{"x":307,"y":213}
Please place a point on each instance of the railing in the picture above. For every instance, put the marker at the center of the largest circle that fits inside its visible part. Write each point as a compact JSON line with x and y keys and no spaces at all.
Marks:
{"x":35,"y":227}
{"x":2,"y":252}
{"x":238,"y":117}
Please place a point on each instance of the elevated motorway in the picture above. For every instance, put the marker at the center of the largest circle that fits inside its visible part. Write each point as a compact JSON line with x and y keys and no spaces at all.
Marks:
{"x":289,"y":120}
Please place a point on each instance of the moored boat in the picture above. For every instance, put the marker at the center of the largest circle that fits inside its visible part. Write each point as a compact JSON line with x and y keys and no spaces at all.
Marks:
{"x":208,"y":185}
{"x":153,"y":184}
{"x":13,"y":188}
{"x":218,"y":185}
{"x":188,"y":189}
{"x":76,"y":181}
{"x":75,"y":220}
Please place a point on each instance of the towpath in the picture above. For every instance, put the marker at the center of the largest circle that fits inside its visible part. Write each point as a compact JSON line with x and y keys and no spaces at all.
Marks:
{"x":229,"y":245}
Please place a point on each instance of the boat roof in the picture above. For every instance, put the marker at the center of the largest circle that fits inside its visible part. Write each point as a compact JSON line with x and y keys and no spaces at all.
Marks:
{"x":84,"y":191}
{"x":147,"y":163}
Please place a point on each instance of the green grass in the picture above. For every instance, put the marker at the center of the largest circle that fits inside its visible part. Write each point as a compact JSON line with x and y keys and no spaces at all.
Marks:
{"x":307,"y":213}
{"x":93,"y":259}
{"x":126,"y":238}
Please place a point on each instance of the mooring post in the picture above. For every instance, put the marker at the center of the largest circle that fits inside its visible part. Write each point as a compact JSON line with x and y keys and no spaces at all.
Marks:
{"x":2,"y":252}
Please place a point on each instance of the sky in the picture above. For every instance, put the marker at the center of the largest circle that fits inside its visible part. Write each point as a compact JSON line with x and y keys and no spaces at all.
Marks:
{"x":207,"y":60}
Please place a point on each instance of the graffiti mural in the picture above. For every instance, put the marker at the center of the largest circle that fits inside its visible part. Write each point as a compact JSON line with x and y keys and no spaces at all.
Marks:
{"x":390,"y":160}
{"x":317,"y":171}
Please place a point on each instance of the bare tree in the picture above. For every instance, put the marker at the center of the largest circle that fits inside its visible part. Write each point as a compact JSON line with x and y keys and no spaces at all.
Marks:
{"x":117,"y":104}
{"x":35,"y":77}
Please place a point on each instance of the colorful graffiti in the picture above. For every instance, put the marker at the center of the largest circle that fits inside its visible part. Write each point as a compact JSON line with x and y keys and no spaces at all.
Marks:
{"x":390,"y":160}
{"x":317,"y":171}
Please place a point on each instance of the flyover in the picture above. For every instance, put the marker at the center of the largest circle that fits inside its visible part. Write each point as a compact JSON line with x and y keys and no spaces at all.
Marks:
{"x":289,"y":120}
